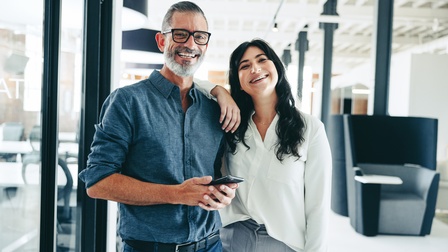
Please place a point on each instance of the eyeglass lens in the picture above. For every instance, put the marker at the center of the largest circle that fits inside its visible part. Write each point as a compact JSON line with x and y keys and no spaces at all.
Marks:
{"x":181,"y":36}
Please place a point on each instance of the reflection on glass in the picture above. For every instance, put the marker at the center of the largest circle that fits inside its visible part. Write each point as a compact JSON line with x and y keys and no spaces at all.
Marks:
{"x":70,"y":78}
{"x":20,"y":85}
{"x":20,"y":132}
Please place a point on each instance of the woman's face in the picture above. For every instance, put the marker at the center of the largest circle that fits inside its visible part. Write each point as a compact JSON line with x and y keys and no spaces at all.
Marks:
{"x":257,"y":74}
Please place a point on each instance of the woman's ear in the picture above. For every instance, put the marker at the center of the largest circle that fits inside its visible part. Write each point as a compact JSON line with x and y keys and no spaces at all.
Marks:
{"x":160,"y":39}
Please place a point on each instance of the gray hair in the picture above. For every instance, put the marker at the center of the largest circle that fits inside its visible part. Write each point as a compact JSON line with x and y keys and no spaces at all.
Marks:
{"x":184,"y":6}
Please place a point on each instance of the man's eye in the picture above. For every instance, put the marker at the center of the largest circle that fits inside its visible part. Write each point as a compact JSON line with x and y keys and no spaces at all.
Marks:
{"x":180,"y":35}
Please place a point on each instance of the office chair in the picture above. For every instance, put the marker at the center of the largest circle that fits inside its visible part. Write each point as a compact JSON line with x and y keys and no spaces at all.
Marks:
{"x":11,"y":131}
{"x":383,"y":145}
{"x":35,"y":157}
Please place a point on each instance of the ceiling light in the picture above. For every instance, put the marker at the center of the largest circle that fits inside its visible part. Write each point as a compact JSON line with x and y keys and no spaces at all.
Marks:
{"x":275,"y":28}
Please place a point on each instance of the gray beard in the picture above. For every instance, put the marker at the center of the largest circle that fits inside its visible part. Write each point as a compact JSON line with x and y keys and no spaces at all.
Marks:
{"x":184,"y":70}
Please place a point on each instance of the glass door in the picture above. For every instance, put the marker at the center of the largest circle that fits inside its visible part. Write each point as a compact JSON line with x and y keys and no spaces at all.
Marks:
{"x":20,"y":109}
{"x":69,"y":107}
{"x":21,"y":85}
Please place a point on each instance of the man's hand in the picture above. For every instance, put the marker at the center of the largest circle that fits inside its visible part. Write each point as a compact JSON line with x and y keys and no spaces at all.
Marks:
{"x":230,"y":113}
{"x":196,"y":192}
{"x":220,"y":197}
{"x":191,"y":192}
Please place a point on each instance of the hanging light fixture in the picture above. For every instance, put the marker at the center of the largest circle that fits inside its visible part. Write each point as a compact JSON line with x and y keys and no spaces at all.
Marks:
{"x":134,"y":14}
{"x":275,"y":27}
{"x":139,"y":49}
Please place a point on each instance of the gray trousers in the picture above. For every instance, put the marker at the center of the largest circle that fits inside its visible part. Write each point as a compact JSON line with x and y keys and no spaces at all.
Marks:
{"x":249,"y":236}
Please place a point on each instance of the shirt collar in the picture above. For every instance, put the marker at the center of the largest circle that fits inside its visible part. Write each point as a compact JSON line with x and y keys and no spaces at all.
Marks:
{"x":165,"y":86}
{"x":270,"y":134}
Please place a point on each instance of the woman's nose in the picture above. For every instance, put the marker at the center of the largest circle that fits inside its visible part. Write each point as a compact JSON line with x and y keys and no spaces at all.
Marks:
{"x":256,"y":69}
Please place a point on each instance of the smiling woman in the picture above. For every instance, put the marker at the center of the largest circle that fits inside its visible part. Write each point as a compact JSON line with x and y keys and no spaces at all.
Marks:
{"x":276,"y":146}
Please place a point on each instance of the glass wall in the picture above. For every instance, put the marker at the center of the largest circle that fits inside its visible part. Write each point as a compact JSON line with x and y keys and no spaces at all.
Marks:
{"x":70,"y":85}
{"x":21,"y":72}
{"x":20,"y":96}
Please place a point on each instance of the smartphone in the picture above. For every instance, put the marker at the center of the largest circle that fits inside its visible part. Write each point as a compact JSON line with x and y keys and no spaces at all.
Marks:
{"x":227,"y":180}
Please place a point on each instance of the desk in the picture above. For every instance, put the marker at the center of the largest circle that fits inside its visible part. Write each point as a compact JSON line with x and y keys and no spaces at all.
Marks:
{"x":68,"y":147}
{"x":11,"y":174}
{"x":67,"y":137}
{"x":379,"y":179}
{"x":23,"y":147}
{"x":15,"y":147}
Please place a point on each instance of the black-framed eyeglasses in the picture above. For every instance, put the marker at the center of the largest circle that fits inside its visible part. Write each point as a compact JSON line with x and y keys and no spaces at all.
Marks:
{"x":182,"y":35}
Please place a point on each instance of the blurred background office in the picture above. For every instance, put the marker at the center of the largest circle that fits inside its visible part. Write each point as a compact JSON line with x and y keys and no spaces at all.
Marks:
{"x":59,"y":59}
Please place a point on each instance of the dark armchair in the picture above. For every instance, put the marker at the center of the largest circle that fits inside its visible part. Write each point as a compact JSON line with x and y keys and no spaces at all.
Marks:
{"x":11,"y":131}
{"x":390,"y":174}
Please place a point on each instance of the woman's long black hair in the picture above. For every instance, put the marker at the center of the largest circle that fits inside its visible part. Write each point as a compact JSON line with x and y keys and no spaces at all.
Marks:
{"x":291,"y":125}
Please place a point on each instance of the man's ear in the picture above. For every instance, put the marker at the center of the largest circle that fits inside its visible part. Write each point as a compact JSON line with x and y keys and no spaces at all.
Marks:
{"x":160,"y":39}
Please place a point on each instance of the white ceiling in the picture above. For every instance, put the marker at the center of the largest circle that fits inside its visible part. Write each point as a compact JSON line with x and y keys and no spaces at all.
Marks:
{"x":419,"y":25}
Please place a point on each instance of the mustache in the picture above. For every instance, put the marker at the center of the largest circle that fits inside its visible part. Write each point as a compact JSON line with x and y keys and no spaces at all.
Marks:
{"x":187,"y":50}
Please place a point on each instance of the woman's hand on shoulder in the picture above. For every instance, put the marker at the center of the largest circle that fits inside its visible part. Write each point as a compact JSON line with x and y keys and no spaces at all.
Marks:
{"x":230,"y":113}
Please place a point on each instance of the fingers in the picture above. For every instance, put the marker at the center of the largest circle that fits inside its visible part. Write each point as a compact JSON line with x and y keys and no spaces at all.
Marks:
{"x":209,"y":198}
{"x":202,"y":180}
{"x":230,"y":119}
{"x":218,"y":199}
{"x":233,"y":186}
{"x":230,"y":113}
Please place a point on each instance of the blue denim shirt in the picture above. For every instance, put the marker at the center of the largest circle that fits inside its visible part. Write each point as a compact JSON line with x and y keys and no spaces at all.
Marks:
{"x":144,"y":133}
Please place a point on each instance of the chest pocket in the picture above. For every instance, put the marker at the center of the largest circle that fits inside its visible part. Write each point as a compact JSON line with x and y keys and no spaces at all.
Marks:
{"x":290,"y":171}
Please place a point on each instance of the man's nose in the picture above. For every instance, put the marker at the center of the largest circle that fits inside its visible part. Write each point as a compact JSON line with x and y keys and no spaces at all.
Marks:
{"x":190,"y":42}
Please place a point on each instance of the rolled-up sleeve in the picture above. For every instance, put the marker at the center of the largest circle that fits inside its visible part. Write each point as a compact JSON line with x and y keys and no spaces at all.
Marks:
{"x":111,"y":140}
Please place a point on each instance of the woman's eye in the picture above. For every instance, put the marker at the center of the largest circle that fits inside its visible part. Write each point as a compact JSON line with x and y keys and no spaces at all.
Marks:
{"x":244,"y":67}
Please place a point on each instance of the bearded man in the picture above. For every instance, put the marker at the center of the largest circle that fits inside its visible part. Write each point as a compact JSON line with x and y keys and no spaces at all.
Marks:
{"x":158,"y":145}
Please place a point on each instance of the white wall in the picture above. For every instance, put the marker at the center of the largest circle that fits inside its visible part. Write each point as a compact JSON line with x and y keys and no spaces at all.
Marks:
{"x":419,"y":87}
{"x":400,"y":75}
{"x":429,"y":93}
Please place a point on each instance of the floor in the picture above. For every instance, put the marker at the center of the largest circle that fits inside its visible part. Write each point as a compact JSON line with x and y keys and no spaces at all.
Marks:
{"x":343,"y":238}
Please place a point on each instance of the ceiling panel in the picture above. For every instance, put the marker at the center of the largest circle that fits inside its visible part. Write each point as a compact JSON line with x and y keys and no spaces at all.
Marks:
{"x":420,"y":25}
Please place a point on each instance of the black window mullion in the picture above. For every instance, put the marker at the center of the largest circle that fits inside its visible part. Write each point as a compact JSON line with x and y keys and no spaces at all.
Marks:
{"x":92,"y":231}
{"x":51,"y":44}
